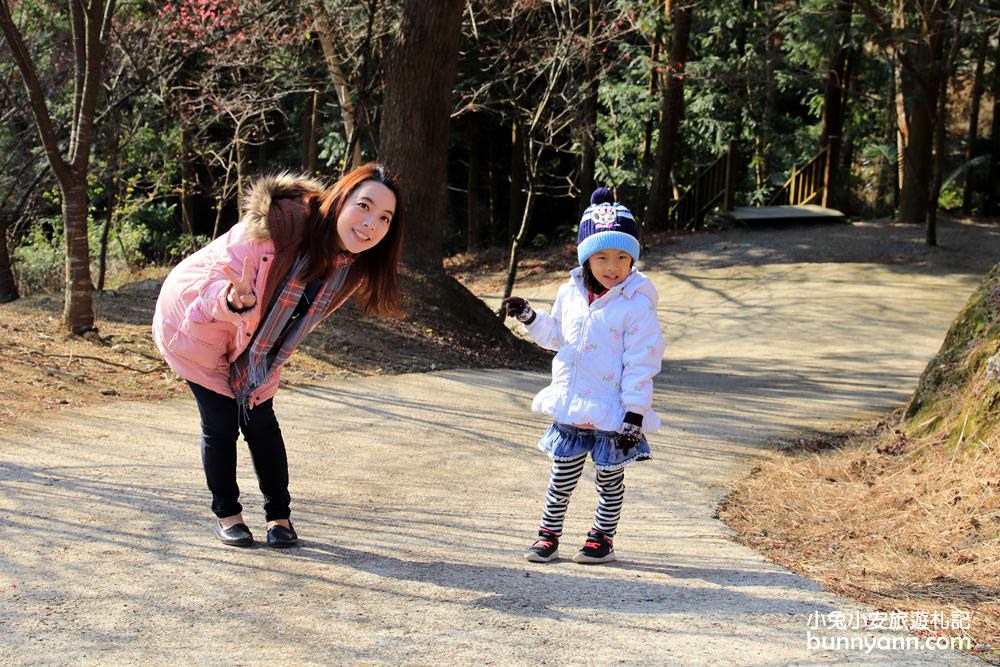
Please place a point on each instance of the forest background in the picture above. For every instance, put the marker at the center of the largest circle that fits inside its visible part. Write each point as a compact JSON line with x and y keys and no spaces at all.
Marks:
{"x":131,"y":128}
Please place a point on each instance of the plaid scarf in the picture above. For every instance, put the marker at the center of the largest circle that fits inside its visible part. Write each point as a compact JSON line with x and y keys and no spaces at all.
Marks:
{"x":252,"y":368}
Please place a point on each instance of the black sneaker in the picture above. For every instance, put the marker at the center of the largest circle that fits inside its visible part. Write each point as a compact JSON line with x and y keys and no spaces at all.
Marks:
{"x":599,"y":548}
{"x":545,"y":548}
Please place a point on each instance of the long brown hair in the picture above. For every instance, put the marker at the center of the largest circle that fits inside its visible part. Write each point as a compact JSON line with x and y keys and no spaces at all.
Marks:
{"x":375,"y":271}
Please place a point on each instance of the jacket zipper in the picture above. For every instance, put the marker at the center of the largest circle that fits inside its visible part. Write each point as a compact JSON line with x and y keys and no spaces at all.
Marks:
{"x":579,"y":349}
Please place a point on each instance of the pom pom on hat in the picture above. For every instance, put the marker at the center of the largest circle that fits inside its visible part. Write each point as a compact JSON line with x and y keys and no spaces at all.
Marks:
{"x":602,"y":196}
{"x":605,"y":225}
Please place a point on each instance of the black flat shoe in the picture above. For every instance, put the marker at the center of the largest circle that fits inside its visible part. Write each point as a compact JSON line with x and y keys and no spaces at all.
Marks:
{"x":280,"y":537}
{"x":235,"y":536}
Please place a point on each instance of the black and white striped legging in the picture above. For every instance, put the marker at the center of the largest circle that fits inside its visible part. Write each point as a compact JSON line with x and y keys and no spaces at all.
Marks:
{"x":610,"y":492}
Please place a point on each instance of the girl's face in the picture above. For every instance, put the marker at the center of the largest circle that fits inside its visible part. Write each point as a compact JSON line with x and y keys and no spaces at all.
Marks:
{"x":365,"y":217}
{"x":610,"y":267}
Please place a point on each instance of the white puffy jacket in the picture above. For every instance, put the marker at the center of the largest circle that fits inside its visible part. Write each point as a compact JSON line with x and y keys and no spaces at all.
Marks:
{"x":607,"y":353}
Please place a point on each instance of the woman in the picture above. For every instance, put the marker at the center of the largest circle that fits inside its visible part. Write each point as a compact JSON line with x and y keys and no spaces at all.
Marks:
{"x":230,"y":315}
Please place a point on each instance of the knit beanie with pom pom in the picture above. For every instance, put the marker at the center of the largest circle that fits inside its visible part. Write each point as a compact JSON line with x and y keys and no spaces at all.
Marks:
{"x":606,"y":224}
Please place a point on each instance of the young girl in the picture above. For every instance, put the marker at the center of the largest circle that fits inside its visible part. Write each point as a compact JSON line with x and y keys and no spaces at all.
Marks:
{"x":609,"y":346}
{"x":230,"y":315}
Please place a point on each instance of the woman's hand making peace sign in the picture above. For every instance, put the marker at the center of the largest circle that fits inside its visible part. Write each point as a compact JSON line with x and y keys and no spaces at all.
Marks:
{"x":240,"y":295}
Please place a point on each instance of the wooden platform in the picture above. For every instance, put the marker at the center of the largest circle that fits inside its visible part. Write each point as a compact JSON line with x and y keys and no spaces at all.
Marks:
{"x":749,"y":215}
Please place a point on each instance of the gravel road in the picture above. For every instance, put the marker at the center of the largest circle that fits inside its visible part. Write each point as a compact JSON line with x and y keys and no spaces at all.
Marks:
{"x":416,"y":495}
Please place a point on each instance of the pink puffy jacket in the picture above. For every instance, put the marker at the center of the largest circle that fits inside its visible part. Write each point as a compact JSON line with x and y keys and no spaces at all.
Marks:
{"x":193,"y":327}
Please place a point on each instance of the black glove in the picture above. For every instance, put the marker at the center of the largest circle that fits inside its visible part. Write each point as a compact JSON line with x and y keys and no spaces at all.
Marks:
{"x":519,"y":309}
{"x":630,"y":433}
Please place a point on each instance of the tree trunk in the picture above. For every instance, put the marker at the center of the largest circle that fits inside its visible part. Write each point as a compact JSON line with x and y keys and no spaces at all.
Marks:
{"x":588,"y":124}
{"x":497,"y":226}
{"x":847,"y":146}
{"x":109,"y":219}
{"x":472,"y":135}
{"x":886,"y":184}
{"x":994,"y":171}
{"x":943,"y":72}
{"x":917,"y":156}
{"x":363,"y":115}
{"x":832,"y":127}
{"x":242,"y":157}
{"x":310,"y":131}
{"x":324,"y":31}
{"x":920,"y":76}
{"x":918,"y":148}
{"x":415,"y":114}
{"x":671,"y":112}
{"x":771,"y":55}
{"x":975,"y":100}
{"x":902,"y":122}
{"x":78,"y":308}
{"x":91,"y":29}
{"x":8,"y":286}
{"x":762,"y":139}
{"x":646,"y":160}
{"x":902,"y":137}
{"x":220,"y":198}
{"x":515,"y":209}
{"x":737,"y":102}
{"x":921,"y":79}
{"x":114,"y":135}
{"x":517,"y":242}
{"x":188,"y":180}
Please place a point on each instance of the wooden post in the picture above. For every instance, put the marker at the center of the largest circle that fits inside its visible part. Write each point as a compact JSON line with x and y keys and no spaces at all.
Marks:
{"x":828,"y":171}
{"x":729,"y":199}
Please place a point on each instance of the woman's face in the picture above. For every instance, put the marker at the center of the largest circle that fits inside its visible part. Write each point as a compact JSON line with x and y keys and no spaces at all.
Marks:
{"x":365,"y":217}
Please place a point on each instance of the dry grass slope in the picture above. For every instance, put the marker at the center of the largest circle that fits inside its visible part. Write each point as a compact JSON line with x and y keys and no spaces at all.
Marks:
{"x":903,"y":513}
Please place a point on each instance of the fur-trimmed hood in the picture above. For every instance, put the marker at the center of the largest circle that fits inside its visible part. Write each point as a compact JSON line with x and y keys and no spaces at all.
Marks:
{"x":255,"y":203}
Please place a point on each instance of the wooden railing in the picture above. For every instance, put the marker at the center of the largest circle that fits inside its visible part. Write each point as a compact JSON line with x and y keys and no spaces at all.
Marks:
{"x":715,"y":184}
{"x":808,"y":184}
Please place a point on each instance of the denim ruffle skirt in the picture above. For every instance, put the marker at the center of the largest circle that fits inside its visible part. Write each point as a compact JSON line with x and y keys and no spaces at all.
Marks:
{"x":563,"y":442}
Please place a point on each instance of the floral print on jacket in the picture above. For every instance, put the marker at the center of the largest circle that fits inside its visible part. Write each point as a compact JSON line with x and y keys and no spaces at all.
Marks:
{"x":607,"y":353}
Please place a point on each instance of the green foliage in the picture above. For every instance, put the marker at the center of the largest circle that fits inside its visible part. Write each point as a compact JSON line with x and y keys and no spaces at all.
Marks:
{"x":877,"y":162}
{"x":126,"y":242}
{"x":332,"y":147}
{"x":154,"y":230}
{"x":756,"y":73}
{"x":876,"y":153}
{"x":40,"y":258}
{"x":628,"y":107}
{"x":806,"y":29}
{"x":950,"y":198}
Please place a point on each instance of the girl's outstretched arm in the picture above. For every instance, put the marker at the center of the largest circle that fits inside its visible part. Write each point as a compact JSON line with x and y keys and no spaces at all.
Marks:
{"x":546,"y":329}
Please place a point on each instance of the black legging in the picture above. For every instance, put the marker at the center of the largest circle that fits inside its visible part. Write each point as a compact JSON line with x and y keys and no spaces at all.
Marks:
{"x":220,"y":427}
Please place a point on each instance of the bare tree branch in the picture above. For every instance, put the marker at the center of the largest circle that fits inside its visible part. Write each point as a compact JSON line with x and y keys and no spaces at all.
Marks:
{"x":36,"y":98}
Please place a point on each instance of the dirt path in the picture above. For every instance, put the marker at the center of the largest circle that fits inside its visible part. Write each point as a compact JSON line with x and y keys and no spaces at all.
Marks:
{"x":416,"y":495}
